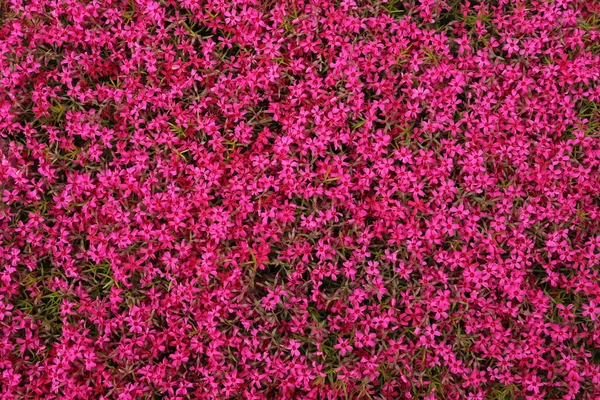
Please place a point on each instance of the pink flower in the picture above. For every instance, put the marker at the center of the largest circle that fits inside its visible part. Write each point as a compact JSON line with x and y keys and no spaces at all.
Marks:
{"x":289,"y":200}
{"x":343,"y":345}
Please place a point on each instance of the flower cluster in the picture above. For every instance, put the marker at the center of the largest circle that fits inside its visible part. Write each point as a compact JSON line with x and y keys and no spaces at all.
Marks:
{"x":311,"y":199}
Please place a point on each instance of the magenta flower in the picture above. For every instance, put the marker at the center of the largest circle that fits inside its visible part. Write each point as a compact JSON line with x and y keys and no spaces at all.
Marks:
{"x":389,"y":199}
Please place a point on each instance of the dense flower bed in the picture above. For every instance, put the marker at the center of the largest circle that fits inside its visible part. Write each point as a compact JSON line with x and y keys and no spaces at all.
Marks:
{"x":300,"y":199}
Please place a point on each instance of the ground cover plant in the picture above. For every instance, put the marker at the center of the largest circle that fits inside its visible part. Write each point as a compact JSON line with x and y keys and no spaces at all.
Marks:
{"x":299,"y":199}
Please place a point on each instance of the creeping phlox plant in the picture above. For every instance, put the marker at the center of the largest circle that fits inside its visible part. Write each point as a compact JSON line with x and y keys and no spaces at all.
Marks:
{"x":299,"y":199}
